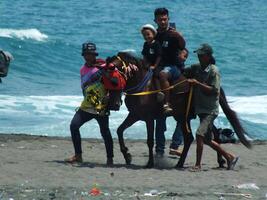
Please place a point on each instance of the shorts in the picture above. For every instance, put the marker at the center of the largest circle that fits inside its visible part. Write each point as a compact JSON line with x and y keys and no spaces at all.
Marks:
{"x":205,"y":126}
{"x":173,"y":70}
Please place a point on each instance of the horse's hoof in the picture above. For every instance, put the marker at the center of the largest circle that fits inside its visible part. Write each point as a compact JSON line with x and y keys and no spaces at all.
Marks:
{"x":179,"y":166}
{"x":149,"y":165}
{"x":128,"y":158}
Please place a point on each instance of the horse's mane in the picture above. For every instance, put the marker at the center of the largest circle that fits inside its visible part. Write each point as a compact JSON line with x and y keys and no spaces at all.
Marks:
{"x":130,"y":58}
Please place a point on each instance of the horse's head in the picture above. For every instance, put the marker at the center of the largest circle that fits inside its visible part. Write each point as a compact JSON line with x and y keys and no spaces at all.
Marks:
{"x":127,"y":64}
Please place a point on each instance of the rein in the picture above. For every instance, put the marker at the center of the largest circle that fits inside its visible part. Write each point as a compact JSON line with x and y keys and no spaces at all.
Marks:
{"x":156,"y":91}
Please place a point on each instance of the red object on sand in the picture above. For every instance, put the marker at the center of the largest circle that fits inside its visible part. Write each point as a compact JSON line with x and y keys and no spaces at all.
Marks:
{"x":95,"y":191}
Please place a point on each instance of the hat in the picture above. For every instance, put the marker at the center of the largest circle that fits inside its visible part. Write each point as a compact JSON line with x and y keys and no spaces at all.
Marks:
{"x":204,"y":49}
{"x":89,"y":48}
{"x":150,"y":27}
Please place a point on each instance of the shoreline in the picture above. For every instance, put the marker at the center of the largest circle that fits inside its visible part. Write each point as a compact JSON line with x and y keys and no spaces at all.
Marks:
{"x":32,"y":167}
{"x":25,"y":135}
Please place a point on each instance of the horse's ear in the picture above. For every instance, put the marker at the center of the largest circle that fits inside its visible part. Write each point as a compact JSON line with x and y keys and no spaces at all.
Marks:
{"x":108,"y":59}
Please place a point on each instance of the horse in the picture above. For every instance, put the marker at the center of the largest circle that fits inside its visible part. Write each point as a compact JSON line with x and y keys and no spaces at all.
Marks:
{"x":141,"y":102}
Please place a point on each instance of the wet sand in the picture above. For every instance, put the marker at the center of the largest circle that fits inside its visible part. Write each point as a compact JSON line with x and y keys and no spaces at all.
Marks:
{"x":33,"y":167}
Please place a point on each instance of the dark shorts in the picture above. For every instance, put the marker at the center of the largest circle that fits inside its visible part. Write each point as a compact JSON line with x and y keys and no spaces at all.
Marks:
{"x":173,"y":71}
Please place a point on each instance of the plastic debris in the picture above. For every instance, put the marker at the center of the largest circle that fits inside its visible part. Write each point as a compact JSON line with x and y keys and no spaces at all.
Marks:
{"x":95,"y":191}
{"x":153,"y":193}
{"x":252,"y":186}
{"x":249,"y":196}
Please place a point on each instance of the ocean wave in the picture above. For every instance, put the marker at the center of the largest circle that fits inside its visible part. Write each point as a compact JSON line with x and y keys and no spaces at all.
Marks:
{"x":23,"y":34}
{"x":252,"y":109}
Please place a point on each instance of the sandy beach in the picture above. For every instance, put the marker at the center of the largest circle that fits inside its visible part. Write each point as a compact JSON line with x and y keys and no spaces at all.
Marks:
{"x":33,"y":167}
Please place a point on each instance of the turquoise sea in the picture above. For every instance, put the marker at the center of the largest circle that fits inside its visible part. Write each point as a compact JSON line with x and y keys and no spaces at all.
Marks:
{"x":42,"y":90}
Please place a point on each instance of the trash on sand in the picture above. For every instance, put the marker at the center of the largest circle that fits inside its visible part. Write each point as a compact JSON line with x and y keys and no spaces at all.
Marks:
{"x":153,"y":193}
{"x":95,"y":191}
{"x":249,"y":196}
{"x":247,"y":186}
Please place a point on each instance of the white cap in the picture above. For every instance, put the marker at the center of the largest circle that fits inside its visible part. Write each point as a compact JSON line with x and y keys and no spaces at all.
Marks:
{"x":149,"y":26}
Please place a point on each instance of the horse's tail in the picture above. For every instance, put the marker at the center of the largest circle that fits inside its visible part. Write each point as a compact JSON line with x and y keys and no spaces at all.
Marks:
{"x":233,"y":119}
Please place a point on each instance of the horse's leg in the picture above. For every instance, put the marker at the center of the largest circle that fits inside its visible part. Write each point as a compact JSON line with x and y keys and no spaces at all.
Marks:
{"x":188,"y":139}
{"x":150,"y":141}
{"x":129,"y":121}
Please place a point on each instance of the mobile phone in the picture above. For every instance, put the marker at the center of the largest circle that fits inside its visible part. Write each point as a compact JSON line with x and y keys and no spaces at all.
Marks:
{"x":173,"y":25}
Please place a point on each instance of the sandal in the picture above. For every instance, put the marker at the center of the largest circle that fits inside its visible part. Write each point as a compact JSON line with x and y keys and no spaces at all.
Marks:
{"x":195,"y":169}
{"x":231,"y":164}
{"x":74,"y":159}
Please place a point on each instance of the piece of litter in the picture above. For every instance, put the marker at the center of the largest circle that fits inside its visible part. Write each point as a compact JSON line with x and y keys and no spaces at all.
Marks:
{"x":249,"y":196}
{"x":248,"y":186}
{"x":154,"y":193}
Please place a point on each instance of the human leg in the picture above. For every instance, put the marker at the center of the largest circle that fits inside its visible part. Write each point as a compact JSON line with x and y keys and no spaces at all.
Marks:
{"x":160,"y":137}
{"x":177,"y":139}
{"x":164,"y":83}
{"x":204,"y":131}
{"x":103,"y":122}
{"x":77,"y":121}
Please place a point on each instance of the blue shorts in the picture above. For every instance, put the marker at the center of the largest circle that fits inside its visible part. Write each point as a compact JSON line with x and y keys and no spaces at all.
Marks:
{"x":173,"y":71}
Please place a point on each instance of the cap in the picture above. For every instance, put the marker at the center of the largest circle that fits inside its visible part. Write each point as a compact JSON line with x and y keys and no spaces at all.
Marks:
{"x":150,"y":27}
{"x":89,"y":48}
{"x":204,"y":49}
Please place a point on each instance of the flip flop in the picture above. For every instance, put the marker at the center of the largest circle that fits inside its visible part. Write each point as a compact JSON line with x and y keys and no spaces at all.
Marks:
{"x":231,"y":164}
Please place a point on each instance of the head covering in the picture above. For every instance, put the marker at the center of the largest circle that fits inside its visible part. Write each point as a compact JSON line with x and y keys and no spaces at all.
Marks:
{"x":150,"y":27}
{"x":89,"y":48}
{"x":204,"y":49}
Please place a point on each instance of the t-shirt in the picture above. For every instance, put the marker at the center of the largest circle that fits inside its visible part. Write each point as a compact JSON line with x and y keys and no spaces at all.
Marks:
{"x":90,"y":74}
{"x":94,"y":90}
{"x":171,"y":42}
{"x":152,"y":51}
{"x":205,"y":103}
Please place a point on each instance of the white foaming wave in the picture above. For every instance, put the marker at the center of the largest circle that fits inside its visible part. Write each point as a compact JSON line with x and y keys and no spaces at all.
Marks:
{"x":251,"y":108}
{"x":43,"y":105}
{"x":22,"y":34}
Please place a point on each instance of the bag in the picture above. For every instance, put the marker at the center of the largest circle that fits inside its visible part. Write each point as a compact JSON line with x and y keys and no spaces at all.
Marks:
{"x":226,"y":135}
